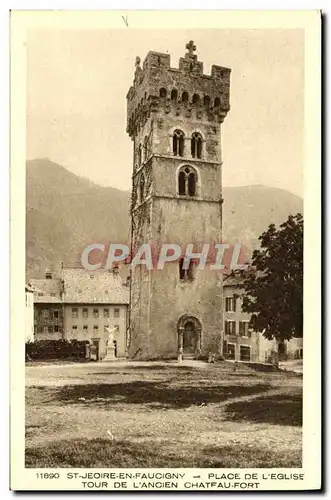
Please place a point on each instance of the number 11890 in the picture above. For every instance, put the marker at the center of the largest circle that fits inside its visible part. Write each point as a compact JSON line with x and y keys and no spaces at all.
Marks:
{"x":48,"y":475}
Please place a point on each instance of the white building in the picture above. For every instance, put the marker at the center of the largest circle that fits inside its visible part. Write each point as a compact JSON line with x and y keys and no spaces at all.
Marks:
{"x":83,"y":305}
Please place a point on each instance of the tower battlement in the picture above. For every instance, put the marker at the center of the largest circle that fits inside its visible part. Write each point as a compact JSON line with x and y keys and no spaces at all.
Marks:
{"x":185,"y":90}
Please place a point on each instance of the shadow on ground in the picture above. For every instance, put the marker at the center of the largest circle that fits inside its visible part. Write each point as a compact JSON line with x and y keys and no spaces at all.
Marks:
{"x":111,"y":454}
{"x":281,"y":409}
{"x":157,"y":395}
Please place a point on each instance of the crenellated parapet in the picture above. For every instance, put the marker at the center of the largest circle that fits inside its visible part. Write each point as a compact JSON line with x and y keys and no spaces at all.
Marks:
{"x":186,"y":90}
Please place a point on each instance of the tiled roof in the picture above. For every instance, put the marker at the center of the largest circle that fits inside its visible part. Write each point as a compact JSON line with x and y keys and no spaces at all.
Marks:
{"x":81,"y":286}
{"x":46,"y":290}
{"x":94,"y":287}
{"x":236,"y":278}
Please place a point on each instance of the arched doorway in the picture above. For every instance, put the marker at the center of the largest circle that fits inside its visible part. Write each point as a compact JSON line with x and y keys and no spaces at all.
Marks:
{"x":189,"y":336}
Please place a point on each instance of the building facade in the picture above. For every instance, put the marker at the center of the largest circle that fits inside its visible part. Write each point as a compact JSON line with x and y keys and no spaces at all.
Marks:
{"x":174,"y":118}
{"x":82,"y":305}
{"x":241,"y":342}
{"x":94,"y":302}
{"x":48,"y":307}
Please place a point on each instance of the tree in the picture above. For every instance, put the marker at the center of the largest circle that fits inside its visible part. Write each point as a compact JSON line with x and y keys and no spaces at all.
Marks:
{"x":274,"y":293}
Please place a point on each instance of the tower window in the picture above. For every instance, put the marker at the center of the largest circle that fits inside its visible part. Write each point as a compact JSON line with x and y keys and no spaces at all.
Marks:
{"x":186,"y":274}
{"x":174,"y":95}
{"x":196,"y":145}
{"x":206,"y":100}
{"x":187,"y":181}
{"x":217,"y":102}
{"x":184,"y":96}
{"x":163,"y":92}
{"x":182,"y":271}
{"x":142,"y":188}
{"x":196,"y":99}
{"x":178,"y":143}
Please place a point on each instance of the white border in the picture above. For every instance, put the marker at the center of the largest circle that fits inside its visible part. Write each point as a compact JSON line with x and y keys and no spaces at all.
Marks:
{"x":312,"y":210}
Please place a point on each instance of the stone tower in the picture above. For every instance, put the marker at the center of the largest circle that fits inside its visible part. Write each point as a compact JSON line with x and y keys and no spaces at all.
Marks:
{"x":174,"y":118}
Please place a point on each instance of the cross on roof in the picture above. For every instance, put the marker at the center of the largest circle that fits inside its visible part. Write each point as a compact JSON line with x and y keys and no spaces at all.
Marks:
{"x":191,"y":47}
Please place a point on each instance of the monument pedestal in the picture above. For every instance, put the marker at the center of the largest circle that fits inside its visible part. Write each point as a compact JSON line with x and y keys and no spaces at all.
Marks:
{"x":110,"y":353}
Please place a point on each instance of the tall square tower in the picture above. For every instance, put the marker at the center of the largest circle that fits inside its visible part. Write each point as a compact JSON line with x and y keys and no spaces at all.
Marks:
{"x":174,"y":118}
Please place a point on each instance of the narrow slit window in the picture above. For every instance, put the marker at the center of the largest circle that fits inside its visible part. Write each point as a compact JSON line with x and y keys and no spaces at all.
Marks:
{"x":139,"y":155}
{"x":182,"y":272}
{"x":145,"y":148}
{"x":190,"y":271}
{"x":142,"y":188}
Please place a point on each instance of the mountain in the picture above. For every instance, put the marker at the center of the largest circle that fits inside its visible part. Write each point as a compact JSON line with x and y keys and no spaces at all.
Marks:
{"x":65,"y":213}
{"x":248,"y":211}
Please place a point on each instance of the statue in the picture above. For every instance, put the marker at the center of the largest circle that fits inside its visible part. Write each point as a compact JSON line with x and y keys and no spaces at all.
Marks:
{"x":110,"y":330}
{"x":110,"y":349}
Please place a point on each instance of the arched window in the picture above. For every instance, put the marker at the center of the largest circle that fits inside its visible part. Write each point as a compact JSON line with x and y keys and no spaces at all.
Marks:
{"x":142,"y":188}
{"x":174,"y":95}
{"x":184,"y":96}
{"x":196,"y":99}
{"x":217,"y":102}
{"x":196,"y":145}
{"x":163,"y":92}
{"x":187,"y":181}
{"x":178,"y":143}
{"x":206,"y":101}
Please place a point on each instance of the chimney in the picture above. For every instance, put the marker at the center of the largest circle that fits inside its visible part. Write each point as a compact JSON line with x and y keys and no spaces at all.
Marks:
{"x":48,"y":275}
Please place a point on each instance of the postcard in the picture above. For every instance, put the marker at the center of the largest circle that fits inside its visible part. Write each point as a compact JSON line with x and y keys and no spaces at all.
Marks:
{"x":165,"y":250}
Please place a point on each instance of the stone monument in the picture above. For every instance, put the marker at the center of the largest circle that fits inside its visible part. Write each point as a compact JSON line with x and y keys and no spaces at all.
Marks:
{"x":110,"y":348}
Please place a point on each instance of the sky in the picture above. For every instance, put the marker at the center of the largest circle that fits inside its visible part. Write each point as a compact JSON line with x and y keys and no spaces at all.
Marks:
{"x":77,"y":81}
